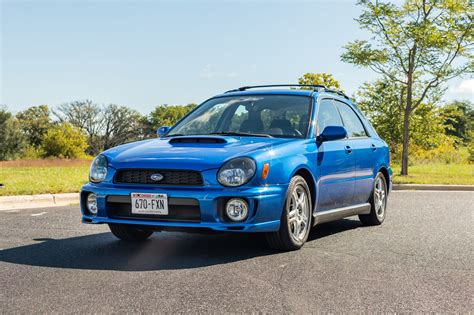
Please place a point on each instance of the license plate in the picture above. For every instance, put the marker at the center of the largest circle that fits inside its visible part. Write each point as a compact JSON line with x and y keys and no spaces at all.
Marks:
{"x":143,"y":203}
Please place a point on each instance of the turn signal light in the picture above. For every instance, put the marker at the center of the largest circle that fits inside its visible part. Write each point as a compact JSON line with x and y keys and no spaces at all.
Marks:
{"x":265,"y":170}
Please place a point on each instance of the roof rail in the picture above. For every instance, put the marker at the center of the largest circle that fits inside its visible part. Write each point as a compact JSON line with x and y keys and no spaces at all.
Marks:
{"x":243,"y":88}
{"x":316,"y":87}
{"x":337,"y":92}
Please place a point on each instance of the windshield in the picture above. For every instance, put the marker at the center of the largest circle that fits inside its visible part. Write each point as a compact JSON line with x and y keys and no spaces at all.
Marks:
{"x":285,"y":116}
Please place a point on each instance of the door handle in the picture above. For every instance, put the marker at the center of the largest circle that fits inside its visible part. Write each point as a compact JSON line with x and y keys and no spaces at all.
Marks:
{"x":348,"y":149}
{"x":374,"y":148}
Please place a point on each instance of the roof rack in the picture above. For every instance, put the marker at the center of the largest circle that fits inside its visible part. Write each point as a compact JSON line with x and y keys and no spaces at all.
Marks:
{"x":337,"y":92}
{"x":243,"y":88}
{"x":316,"y":87}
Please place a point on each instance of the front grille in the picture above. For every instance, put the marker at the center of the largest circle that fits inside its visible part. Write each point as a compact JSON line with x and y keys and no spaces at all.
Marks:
{"x":179,"y":209}
{"x":170,"y":177}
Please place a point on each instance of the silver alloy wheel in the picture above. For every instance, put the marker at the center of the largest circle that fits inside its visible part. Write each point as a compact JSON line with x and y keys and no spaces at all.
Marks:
{"x":380,"y":197}
{"x":298,"y":213}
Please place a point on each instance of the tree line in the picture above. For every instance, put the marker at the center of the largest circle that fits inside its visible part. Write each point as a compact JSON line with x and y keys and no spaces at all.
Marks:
{"x":79,"y":128}
{"x":439,"y":132}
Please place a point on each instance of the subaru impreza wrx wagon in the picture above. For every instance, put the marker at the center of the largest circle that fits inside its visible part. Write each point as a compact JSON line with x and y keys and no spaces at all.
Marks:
{"x":273,"y":159}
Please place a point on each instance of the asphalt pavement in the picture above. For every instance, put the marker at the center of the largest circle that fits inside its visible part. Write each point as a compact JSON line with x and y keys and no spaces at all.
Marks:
{"x":419,"y":260}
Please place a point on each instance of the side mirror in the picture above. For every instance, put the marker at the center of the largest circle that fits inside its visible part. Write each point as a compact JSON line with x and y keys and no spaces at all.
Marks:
{"x":331,"y":133}
{"x":162,"y":131}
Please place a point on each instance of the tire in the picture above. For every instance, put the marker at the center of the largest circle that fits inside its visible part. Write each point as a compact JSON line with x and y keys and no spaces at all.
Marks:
{"x":288,"y":238}
{"x":378,"y":202}
{"x":129,"y":233}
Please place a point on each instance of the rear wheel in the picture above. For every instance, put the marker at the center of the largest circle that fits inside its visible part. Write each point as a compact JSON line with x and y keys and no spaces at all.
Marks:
{"x":295,"y":221}
{"x":378,"y":202}
{"x":129,"y":233}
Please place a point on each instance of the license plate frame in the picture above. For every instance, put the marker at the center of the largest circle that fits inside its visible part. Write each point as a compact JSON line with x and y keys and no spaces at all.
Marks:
{"x":149,"y":204}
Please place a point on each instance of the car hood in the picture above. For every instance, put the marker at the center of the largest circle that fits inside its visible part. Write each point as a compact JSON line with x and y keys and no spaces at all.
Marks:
{"x":190,"y":152}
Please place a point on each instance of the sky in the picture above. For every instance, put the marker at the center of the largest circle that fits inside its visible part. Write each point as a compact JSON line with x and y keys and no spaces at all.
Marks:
{"x":146,"y":53}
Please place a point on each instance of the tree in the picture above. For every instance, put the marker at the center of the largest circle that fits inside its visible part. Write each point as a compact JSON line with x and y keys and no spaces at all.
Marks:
{"x":325,"y":79}
{"x":120,"y":124}
{"x":35,"y":122}
{"x":168,"y":115}
{"x":382,"y":104}
{"x":86,"y":116}
{"x":12,"y":140}
{"x":64,"y":141}
{"x":459,"y":120}
{"x":419,"y":45}
{"x":105,"y":126}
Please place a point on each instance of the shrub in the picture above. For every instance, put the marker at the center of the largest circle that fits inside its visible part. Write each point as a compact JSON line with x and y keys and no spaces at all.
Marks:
{"x":32,"y":153}
{"x":12,"y":141}
{"x":470,"y":148}
{"x":446,"y":152}
{"x":64,"y":141}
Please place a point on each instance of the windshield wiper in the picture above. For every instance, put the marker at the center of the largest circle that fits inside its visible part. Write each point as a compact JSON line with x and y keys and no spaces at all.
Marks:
{"x":242,"y":134}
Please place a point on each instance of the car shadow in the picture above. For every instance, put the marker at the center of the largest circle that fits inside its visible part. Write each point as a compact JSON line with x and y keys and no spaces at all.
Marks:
{"x":164,"y":251}
{"x":334,"y":227}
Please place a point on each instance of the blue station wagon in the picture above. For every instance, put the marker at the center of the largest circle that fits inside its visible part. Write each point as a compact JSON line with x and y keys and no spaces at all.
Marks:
{"x":275,"y":159}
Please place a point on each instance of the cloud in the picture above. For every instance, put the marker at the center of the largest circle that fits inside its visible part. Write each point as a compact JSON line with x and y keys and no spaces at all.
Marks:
{"x":464,"y":87}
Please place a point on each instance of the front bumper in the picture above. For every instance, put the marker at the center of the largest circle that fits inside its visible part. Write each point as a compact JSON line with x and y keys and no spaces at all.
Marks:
{"x":265,"y":203}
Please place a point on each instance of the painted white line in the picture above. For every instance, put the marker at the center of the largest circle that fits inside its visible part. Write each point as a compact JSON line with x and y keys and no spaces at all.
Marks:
{"x":38,"y":214}
{"x":430,"y":191}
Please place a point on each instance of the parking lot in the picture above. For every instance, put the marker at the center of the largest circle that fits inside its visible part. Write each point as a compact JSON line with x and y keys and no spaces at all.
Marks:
{"x":420,"y":259}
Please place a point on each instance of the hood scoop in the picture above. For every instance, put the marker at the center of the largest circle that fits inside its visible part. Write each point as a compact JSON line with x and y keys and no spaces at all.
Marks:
{"x":192,"y":139}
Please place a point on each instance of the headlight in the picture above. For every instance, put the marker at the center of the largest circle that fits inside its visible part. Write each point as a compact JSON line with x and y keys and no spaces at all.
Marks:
{"x":236,"y":172}
{"x":98,"y":170}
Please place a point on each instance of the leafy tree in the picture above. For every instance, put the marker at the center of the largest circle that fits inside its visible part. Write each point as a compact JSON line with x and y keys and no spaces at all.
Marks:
{"x":419,"y":45}
{"x":168,"y":115}
{"x":12,"y":140}
{"x":35,"y":122}
{"x":64,"y":141}
{"x":325,"y":79}
{"x":382,"y":103}
{"x":459,"y":120}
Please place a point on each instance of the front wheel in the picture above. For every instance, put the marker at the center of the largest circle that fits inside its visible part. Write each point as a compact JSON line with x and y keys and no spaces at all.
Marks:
{"x":378,"y":202}
{"x":295,"y":222}
{"x":129,"y":233}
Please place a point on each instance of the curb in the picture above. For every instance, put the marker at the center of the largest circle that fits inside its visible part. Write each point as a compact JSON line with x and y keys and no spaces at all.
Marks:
{"x":433,"y":187}
{"x":58,"y":200}
{"x":38,"y":201}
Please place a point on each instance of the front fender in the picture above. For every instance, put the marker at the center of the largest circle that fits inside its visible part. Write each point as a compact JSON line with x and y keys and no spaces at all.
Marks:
{"x":287,"y":160}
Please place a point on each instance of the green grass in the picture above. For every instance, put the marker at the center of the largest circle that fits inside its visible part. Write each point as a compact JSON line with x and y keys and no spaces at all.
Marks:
{"x":41,"y":177}
{"x":42,"y":180}
{"x":450,"y":174}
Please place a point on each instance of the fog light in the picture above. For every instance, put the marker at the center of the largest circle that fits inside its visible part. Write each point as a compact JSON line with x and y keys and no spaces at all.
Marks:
{"x":237,"y":209}
{"x":92,"y":203}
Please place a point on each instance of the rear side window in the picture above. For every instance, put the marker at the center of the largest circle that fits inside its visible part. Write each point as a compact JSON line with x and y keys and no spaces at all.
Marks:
{"x":351,"y":121}
{"x":327,"y":115}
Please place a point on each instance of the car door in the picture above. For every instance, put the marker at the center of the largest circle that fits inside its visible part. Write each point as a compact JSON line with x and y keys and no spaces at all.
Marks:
{"x":364,"y":151}
{"x":336,"y":163}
